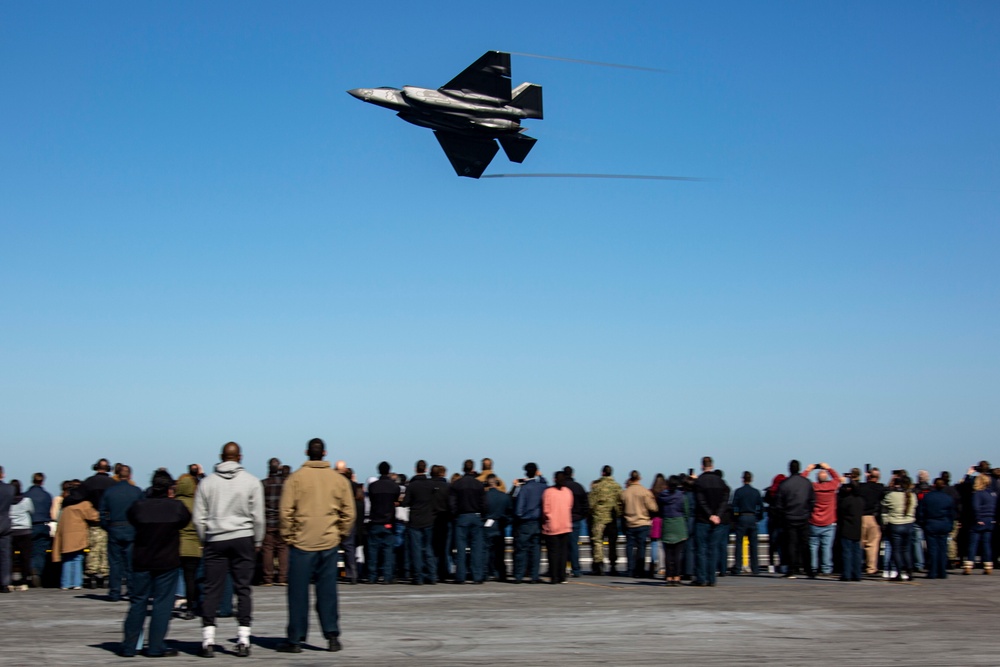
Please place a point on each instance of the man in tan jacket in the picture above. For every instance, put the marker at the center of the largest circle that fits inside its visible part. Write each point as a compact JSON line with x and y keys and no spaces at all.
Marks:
{"x":640,"y":508}
{"x":317,"y":511}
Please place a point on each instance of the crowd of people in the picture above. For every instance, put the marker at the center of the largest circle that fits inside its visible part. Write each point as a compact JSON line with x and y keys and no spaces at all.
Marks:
{"x":209,"y":538}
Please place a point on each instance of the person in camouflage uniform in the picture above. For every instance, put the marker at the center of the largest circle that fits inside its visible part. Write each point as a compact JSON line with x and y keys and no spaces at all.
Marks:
{"x":605,"y":507}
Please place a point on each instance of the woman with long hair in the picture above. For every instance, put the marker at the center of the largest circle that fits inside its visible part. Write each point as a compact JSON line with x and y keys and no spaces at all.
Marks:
{"x":656,"y":529}
{"x":21,"y":508}
{"x":674,"y":513}
{"x":984,"y":503}
{"x":899,"y":511}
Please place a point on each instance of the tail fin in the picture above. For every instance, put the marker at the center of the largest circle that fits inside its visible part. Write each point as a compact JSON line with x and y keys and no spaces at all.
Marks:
{"x":528,"y":96}
{"x":517,"y":147}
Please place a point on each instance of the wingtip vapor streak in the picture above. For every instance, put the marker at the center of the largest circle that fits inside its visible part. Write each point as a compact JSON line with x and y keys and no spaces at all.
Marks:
{"x":470,"y":113}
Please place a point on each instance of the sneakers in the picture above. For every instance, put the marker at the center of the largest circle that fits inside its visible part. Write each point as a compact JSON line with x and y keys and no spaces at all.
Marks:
{"x":333,"y":644}
{"x":207,"y":651}
{"x":904,"y":577}
{"x":288,"y":647}
{"x":243,"y":650}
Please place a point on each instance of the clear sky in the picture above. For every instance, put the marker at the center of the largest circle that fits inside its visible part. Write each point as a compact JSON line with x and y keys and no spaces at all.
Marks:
{"x":203,"y":238}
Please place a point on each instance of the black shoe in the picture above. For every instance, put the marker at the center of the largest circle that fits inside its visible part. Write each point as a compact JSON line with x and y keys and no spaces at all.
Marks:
{"x":697,"y":583}
{"x":477,"y":583}
{"x":333,"y":644}
{"x":416,"y":582}
{"x":167,"y":653}
{"x":288,"y":647}
{"x":187,"y":616}
{"x":4,"y":589}
{"x":126,"y":654}
{"x":512,"y":581}
{"x":206,"y":652}
{"x":243,"y":650}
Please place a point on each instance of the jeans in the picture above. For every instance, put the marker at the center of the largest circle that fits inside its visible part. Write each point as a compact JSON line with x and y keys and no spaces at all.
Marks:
{"x":348,"y":547}
{"x":401,"y":555}
{"x":707,"y":536}
{"x":158,"y":585}
{"x":900,"y":535}
{"x":120,"y":540}
{"x":981,"y":536}
{"x":380,"y":546}
{"x":468,"y":535}
{"x":746,"y":526}
{"x":72,"y":570}
{"x":821,"y":547}
{"x":41,"y":542}
{"x":574,"y":546}
{"x":635,"y":550}
{"x":302,"y":567}
{"x":6,"y":555}
{"x":851,"y":553}
{"x":494,"y":548}
{"x":918,"y":547}
{"x":937,"y":555}
{"x":527,"y":550}
{"x":423,"y":565}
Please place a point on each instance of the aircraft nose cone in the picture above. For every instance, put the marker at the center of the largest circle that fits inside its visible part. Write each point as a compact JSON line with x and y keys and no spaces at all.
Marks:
{"x":357,"y":92}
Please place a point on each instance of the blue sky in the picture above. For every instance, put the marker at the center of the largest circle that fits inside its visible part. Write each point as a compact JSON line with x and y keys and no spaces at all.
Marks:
{"x":203,"y":238}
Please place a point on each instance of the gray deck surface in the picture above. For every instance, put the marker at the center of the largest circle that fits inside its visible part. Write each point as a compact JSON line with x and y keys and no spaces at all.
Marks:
{"x":591,"y":620}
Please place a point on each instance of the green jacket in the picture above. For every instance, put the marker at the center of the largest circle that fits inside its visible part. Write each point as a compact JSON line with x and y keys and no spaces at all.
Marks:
{"x":190,"y":544}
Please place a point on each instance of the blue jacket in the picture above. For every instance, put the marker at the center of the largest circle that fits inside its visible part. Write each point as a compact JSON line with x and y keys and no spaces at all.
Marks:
{"x":936,"y":512}
{"x":671,"y":504}
{"x":115,"y":503}
{"x":984,"y":506}
{"x":528,"y":499}
{"x":42,"y":501}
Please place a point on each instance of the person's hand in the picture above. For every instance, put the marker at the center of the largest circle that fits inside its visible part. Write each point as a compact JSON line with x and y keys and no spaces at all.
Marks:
{"x":824,"y":466}
{"x":714,"y":520}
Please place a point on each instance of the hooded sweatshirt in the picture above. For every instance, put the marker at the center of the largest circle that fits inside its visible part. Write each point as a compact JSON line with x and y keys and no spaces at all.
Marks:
{"x":229,"y":505}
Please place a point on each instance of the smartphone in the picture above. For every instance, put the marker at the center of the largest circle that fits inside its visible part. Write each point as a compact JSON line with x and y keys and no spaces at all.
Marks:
{"x":690,"y":472}
{"x":868,"y":467}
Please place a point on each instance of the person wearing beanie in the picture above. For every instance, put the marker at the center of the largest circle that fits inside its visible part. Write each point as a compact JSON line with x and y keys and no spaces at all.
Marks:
{"x":157,"y":520}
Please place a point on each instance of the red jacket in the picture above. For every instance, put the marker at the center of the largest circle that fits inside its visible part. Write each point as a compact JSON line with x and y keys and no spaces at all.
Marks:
{"x":825,"y":510}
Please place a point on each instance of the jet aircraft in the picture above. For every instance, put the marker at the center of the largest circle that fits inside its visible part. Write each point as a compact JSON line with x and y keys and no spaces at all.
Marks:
{"x":470,"y":113}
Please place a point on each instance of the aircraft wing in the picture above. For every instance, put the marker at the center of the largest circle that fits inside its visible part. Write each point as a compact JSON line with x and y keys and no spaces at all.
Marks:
{"x":490,"y":75}
{"x":468,"y":156}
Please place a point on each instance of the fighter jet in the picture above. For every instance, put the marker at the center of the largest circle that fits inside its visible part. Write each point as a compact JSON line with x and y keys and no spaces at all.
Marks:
{"x":469,"y":113}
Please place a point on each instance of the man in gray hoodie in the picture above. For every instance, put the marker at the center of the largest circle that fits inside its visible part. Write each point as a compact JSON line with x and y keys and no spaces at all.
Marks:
{"x":229,"y":518}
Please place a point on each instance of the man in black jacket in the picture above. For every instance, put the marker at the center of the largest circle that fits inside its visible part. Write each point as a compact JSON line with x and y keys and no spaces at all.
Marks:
{"x":467,"y":498}
{"x":421,"y":498}
{"x":747,"y":511}
{"x":581,"y":512}
{"x":795,"y":501}
{"x":383,"y":496}
{"x":871,"y":492}
{"x":156,"y":559}
{"x":711,"y":496}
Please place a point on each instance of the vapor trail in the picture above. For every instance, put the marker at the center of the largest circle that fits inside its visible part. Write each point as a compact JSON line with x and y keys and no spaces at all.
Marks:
{"x":639,"y":177}
{"x":590,"y":62}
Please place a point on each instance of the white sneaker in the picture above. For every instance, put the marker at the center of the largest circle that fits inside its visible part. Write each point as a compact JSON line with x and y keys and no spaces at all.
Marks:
{"x":904,"y":577}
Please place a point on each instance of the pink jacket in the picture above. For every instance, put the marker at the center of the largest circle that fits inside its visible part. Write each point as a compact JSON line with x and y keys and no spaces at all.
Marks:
{"x":557,"y":511}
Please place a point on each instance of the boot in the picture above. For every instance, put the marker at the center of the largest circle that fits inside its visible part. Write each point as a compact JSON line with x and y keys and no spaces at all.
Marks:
{"x":967,"y":567}
{"x":988,"y":568}
{"x":595,"y":569}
